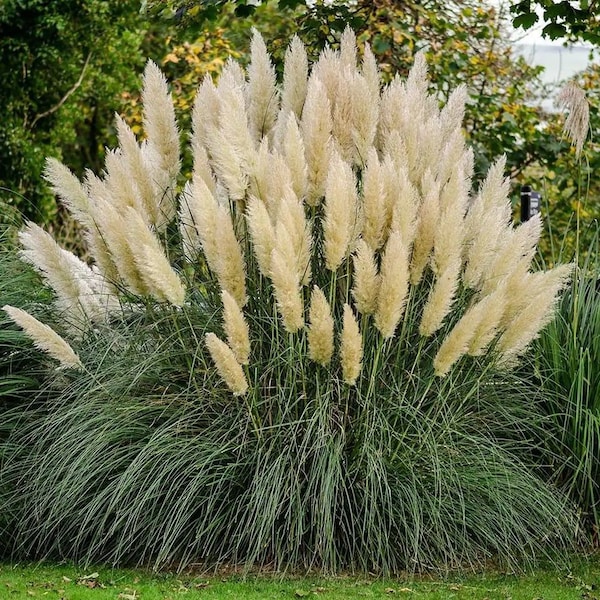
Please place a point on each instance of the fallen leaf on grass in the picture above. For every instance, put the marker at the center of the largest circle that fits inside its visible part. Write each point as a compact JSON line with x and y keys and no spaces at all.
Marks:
{"x":66,"y":579}
{"x":301,"y":593}
{"x":133,"y":596}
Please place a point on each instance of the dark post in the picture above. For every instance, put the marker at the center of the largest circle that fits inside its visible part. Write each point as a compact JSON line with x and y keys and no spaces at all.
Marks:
{"x":530,"y":203}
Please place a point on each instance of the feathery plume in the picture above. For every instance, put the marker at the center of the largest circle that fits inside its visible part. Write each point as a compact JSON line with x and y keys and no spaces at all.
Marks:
{"x":141,"y":176}
{"x":351,"y":347}
{"x":473,"y":331}
{"x":263,"y":97}
{"x":69,"y":189}
{"x":393,"y":289}
{"x":488,"y":217}
{"x":577,"y":124}
{"x":440,"y":299}
{"x":316,"y":132}
{"x":236,"y":328}
{"x":153,"y":266}
{"x":229,"y":369}
{"x":427,"y":219}
{"x":366,"y":279}
{"x":374,"y":209}
{"x":161,"y":149}
{"x":286,"y":281}
{"x":262,"y":233}
{"x":340,"y":211}
{"x":320,"y":331}
{"x":527,"y":324}
{"x":293,"y":152}
{"x":231,"y":271}
{"x":291,"y":216}
{"x":44,"y":337}
{"x":205,"y":114}
{"x":295,"y":77}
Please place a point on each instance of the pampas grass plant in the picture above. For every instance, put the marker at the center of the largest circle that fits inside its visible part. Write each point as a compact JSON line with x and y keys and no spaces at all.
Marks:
{"x":285,"y":376}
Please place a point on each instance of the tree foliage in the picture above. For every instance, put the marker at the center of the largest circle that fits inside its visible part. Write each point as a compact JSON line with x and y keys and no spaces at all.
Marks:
{"x":568,"y":20}
{"x":62,"y":66}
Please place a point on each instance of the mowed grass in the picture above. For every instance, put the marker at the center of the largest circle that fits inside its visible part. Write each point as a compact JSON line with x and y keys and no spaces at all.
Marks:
{"x":70,"y":583}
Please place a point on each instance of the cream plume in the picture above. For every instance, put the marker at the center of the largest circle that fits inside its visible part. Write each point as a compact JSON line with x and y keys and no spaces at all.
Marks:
{"x":366,"y":279}
{"x":231,"y":270}
{"x":527,"y":324}
{"x":263,"y":97}
{"x":427,"y":220}
{"x":44,"y":338}
{"x":374,"y":208}
{"x":320,"y":331}
{"x":229,"y":369}
{"x":153,"y":266}
{"x":142,"y":178}
{"x":577,"y":124}
{"x":489,"y":215}
{"x":236,"y":328}
{"x":262,"y":233}
{"x":69,"y":189}
{"x":393,"y":289}
{"x":291,"y":215}
{"x":473,"y":332}
{"x":440,"y":299}
{"x":340,"y":211}
{"x":82,"y":294}
{"x":293,"y":152}
{"x":161,"y":149}
{"x":286,"y":281}
{"x":351,"y":347}
{"x":316,"y":132}
{"x":295,"y":77}
{"x":205,"y":114}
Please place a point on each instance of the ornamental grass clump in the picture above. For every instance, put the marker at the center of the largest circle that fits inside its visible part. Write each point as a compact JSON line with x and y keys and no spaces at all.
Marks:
{"x":325,"y":320}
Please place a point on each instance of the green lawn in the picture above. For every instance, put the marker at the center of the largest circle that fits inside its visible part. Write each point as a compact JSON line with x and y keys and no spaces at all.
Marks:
{"x":70,"y":583}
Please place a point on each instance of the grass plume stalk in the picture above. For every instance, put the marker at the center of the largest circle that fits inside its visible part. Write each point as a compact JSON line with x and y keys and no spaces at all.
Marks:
{"x":329,"y":432}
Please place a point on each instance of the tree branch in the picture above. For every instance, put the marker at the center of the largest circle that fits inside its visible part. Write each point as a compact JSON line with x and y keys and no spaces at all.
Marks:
{"x":66,"y":96}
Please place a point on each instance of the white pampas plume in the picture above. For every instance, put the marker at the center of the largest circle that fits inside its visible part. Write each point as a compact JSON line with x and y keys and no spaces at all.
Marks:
{"x":320,"y":331}
{"x":69,"y":189}
{"x":286,"y":281}
{"x":427,"y":219}
{"x":393,"y":287}
{"x":577,"y":124}
{"x":403,"y":199}
{"x":488,"y":217}
{"x":291,"y":216}
{"x":229,"y":369}
{"x":205,"y":114}
{"x":44,"y":338}
{"x":374,"y":208}
{"x":366,"y":279}
{"x":526,"y":325}
{"x":82,"y":294}
{"x":231,"y":269}
{"x":160,"y":124}
{"x":139,"y":173}
{"x":340,"y":211}
{"x":365,"y":116}
{"x":316,"y":128}
{"x":440,"y":299}
{"x":351,"y":348}
{"x":370,"y":71}
{"x":293,"y":152}
{"x":236,"y":328}
{"x":162,"y":146}
{"x":262,"y":233}
{"x":295,"y":77}
{"x":263,"y":97}
{"x":152,"y":264}
{"x":348,"y":49}
{"x":473,"y":332}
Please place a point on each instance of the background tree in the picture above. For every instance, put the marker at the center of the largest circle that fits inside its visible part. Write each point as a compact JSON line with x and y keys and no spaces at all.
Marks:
{"x":63,"y":66}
